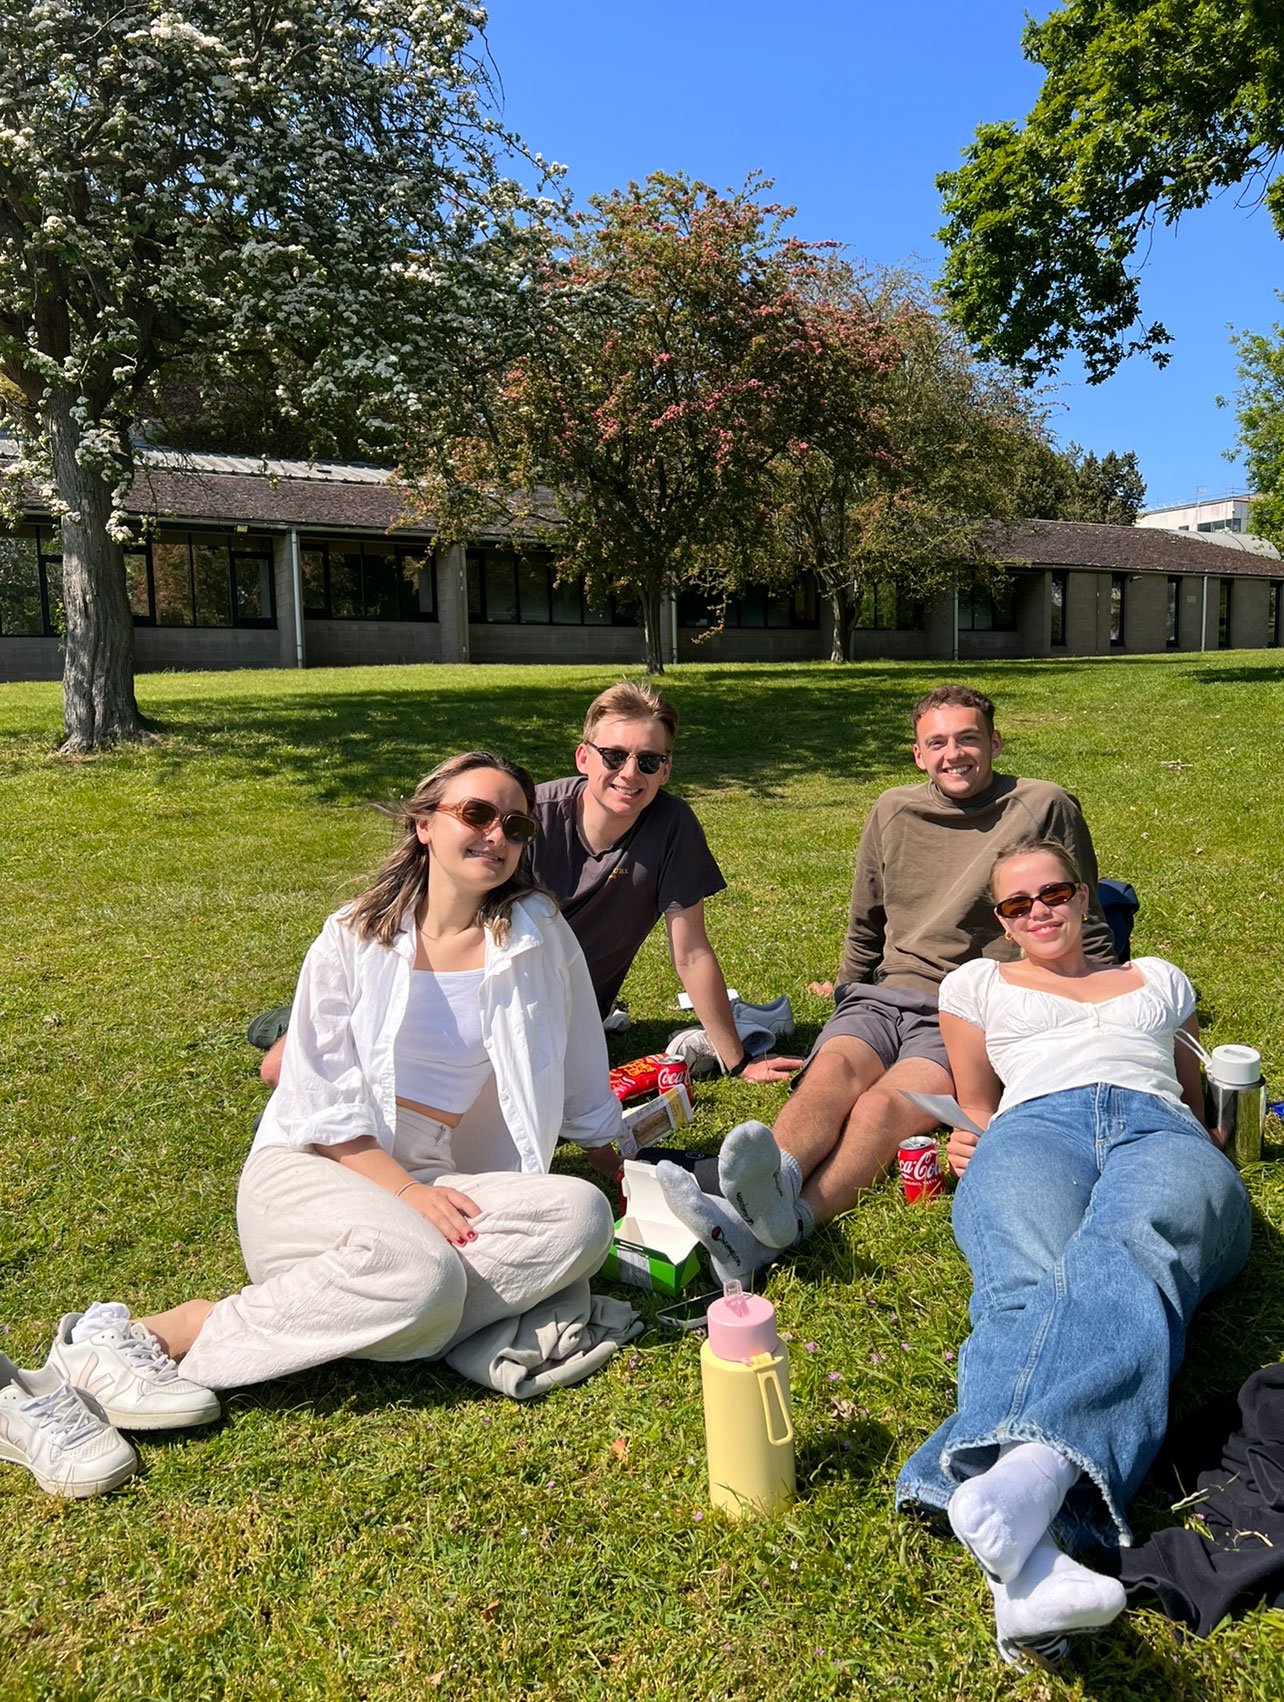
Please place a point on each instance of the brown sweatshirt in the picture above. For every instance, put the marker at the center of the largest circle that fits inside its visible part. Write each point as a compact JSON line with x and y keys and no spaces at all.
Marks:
{"x":920,"y":904}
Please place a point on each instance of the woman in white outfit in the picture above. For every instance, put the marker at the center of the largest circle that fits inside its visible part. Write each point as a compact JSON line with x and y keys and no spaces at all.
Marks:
{"x":396,"y":1198}
{"x":1095,"y":1213}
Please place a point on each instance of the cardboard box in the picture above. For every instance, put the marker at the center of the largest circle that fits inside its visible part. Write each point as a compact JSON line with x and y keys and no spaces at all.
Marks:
{"x":652,"y":1249}
{"x":652,"y":1121}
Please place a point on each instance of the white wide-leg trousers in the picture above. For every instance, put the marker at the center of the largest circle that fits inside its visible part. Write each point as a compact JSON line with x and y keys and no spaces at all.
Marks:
{"x":342,"y":1269}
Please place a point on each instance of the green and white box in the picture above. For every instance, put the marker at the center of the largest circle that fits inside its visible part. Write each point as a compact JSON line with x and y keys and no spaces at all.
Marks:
{"x":652,"y":1248}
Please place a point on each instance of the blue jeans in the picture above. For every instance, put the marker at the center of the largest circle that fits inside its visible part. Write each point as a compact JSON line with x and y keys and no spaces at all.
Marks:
{"x":1094,"y":1221}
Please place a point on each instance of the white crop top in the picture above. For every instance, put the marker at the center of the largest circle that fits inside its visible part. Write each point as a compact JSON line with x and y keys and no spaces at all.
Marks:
{"x":1043,"y":1042}
{"x":439,"y":1058}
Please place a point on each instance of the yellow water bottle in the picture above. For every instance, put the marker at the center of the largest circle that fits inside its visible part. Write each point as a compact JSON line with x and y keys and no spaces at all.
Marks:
{"x":748,"y":1423}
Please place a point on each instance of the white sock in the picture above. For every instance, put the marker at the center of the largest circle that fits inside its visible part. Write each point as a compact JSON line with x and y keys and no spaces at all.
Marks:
{"x":1000,"y":1515}
{"x":733,"y":1249}
{"x":763,"y":1183}
{"x":1050,"y":1597}
{"x":100,"y":1315}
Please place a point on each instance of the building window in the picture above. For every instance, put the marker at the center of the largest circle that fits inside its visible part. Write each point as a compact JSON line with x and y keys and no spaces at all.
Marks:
{"x":1174,"y":611}
{"x":31,"y":584}
{"x":885,"y":609}
{"x":505,"y":588}
{"x":1224,"y":614}
{"x":754,"y":607}
{"x":21,"y":610}
{"x":1118,"y":593}
{"x":1059,"y":592}
{"x":354,"y":579}
{"x":981,"y":610}
{"x":200,"y":579}
{"x":1273,"y":613}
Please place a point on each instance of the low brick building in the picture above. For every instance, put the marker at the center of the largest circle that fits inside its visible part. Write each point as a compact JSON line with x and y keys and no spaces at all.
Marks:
{"x":237,"y":566}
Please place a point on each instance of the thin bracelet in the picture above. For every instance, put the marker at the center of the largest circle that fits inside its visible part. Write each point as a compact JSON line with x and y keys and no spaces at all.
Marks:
{"x":411,"y":1184}
{"x":740,"y":1068}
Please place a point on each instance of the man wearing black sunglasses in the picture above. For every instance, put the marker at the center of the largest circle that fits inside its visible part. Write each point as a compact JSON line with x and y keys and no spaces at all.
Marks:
{"x":618,"y":853}
{"x":920,"y":907}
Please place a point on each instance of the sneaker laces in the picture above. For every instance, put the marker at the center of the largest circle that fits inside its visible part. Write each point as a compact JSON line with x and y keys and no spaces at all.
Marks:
{"x":63,"y":1413}
{"x":143,"y":1353}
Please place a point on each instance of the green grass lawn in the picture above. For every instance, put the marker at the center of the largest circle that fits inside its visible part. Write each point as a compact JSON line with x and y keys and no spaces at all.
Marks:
{"x":385,"y":1532}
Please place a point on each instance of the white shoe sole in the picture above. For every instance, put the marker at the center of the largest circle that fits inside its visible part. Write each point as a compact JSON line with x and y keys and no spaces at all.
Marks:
{"x":123,"y":1418}
{"x":71,"y":1489}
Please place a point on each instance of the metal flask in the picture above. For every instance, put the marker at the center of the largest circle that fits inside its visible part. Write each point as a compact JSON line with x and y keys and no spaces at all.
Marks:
{"x":1235,"y":1101}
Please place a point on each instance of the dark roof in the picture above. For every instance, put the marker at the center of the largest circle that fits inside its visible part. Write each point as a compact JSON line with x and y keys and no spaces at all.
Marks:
{"x":240,"y":490}
{"x":334,"y":503}
{"x":1132,"y":549}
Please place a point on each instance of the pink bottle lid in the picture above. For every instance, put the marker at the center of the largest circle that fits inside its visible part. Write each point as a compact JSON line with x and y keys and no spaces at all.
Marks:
{"x":741,"y":1326}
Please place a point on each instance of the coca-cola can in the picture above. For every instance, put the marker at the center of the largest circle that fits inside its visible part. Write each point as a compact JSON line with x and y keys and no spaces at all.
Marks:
{"x":671,"y":1072}
{"x":919,"y":1163}
{"x":652,"y":1074}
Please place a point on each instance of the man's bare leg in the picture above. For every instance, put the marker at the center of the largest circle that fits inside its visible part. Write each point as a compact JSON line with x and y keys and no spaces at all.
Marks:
{"x":877,"y":1123}
{"x":815,"y":1117}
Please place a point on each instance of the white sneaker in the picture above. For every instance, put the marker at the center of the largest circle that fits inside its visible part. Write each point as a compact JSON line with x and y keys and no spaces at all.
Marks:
{"x":616,"y":1020}
{"x":45,"y":1426}
{"x":128,"y":1374}
{"x":695,"y":1048}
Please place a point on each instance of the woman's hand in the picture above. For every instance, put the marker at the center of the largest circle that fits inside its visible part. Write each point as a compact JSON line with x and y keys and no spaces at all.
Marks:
{"x":446,"y":1209}
{"x":959,"y":1149}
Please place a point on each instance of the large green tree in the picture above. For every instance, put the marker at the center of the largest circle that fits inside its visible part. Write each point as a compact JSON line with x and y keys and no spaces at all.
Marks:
{"x":302,"y":197}
{"x":1260,"y":412}
{"x":1076,"y":484}
{"x":1149,"y":108}
{"x":902,"y":466}
{"x":682,"y":353}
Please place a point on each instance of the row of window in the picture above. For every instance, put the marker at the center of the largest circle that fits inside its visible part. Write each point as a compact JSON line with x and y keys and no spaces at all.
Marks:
{"x":201,"y":579}
{"x":1118,"y":611}
{"x":196,"y":579}
{"x":374,"y":580}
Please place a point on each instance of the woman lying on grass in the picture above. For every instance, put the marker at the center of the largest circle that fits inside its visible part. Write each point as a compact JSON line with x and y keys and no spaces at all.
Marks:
{"x":1095,"y":1214}
{"x":396,"y":1199}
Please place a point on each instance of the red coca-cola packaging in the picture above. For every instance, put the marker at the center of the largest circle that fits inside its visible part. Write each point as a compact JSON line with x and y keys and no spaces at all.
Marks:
{"x":652,"y":1074}
{"x":919,"y":1163}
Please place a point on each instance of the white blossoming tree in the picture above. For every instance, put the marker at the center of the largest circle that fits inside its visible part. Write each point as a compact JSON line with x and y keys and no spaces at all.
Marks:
{"x":317,"y":185}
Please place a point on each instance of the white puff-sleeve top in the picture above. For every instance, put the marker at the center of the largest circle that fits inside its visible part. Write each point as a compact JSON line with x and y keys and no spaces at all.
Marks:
{"x":1043,"y":1043}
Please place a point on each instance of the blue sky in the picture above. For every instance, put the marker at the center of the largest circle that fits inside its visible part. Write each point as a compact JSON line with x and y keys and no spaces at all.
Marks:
{"x":853,"y":108}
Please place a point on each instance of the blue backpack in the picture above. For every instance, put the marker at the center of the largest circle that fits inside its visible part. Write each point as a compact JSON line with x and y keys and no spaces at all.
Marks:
{"x":1120,"y":903}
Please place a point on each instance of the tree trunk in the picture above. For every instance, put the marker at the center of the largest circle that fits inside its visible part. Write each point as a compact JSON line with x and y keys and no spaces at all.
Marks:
{"x":99,"y":706}
{"x":650,"y":605}
{"x":841,"y":610}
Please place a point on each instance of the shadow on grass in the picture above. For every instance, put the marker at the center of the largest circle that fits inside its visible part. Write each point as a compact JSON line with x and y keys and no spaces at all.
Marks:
{"x":752,"y":728}
{"x":357,"y":1386}
{"x":843,"y":1452}
{"x":1118,"y":1665}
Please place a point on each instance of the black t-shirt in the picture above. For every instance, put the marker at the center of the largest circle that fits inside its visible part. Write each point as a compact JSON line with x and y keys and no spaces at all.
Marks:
{"x":613,"y":899}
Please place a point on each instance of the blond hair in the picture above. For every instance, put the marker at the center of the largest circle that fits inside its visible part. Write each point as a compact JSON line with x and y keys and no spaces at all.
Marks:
{"x":626,"y":701}
{"x":1030,"y":848}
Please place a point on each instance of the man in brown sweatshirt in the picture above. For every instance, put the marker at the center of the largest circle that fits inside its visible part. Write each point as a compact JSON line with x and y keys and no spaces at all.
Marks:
{"x":920,"y":907}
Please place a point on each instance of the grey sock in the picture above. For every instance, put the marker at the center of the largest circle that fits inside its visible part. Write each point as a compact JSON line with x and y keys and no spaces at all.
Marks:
{"x":762,"y":1182}
{"x":734,"y":1250}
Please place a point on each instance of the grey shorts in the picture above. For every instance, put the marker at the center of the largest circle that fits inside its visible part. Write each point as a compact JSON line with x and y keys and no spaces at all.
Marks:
{"x":894,"y":1023}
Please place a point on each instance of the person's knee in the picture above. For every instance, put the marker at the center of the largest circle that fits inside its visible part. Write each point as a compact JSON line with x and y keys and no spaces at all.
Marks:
{"x":420,"y":1271}
{"x":836,"y":1071}
{"x":588,"y":1213}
